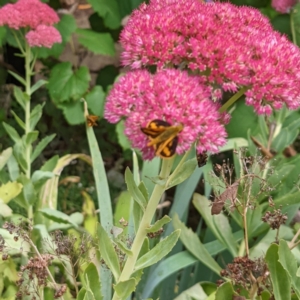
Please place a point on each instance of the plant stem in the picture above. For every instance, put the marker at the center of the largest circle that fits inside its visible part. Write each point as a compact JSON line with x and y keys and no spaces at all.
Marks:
{"x":27,"y":58}
{"x":233,"y":99}
{"x":145,"y":223}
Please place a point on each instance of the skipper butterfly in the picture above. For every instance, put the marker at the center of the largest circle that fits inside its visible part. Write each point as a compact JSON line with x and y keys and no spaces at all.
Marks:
{"x":163,"y":137}
{"x":91,"y":120}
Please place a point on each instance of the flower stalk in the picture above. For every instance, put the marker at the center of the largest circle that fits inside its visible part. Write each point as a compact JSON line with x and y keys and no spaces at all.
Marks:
{"x":145,"y":223}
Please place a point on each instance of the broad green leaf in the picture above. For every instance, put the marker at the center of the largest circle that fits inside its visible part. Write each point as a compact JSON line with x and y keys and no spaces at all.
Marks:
{"x":98,"y":43}
{"x":279,"y":277}
{"x":37,"y":85}
{"x":40,"y":177}
{"x":28,"y":189}
{"x":5,"y":210}
{"x":122,"y":209}
{"x":182,"y":173}
{"x":13,"y":168}
{"x":36,"y":115}
{"x":234,"y":143}
{"x":18,"y":120}
{"x":122,"y":138}
{"x":10,"y":190}
{"x":4,"y":157}
{"x":285,"y":137}
{"x":225,"y":292}
{"x":75,"y":218}
{"x":108,"y":253}
{"x":289,"y":263}
{"x":73,"y":112}
{"x":41,"y":146}
{"x":31,"y":137}
{"x":66,"y":85}
{"x":19,"y":95}
{"x":158,"y":252}
{"x":194,"y":245}
{"x":136,"y":194}
{"x":93,"y":281}
{"x":50,"y":164}
{"x":18,"y":77}
{"x":57,"y":216}
{"x":125,"y":288}
{"x":195,"y":292}
{"x":66,"y":26}
{"x":218,"y":224}
{"x":159,"y":224}
{"x":109,"y":11}
{"x":19,"y":151}
{"x":95,"y":100}
{"x":13,"y":134}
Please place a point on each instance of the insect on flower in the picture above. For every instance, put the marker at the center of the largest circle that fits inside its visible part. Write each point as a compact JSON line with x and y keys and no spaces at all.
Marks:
{"x":163,"y":137}
{"x":91,"y":120}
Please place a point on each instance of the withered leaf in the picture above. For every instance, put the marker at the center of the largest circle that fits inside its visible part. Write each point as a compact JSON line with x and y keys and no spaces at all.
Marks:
{"x":228,"y":194}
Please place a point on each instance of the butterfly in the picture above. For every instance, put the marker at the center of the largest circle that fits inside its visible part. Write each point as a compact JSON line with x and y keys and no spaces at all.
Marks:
{"x":91,"y":120}
{"x":163,"y":137}
{"x":201,"y":159}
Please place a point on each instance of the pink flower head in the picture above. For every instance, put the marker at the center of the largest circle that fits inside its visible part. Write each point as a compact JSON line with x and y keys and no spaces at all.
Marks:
{"x":27,"y":13}
{"x":172,"y":96}
{"x":43,"y":36}
{"x":283,"y":6}
{"x":233,"y":47}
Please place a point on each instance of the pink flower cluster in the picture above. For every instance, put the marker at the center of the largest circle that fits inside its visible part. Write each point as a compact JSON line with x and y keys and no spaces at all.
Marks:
{"x":34,"y":15}
{"x":231,"y":47}
{"x":170,"y":95}
{"x":283,"y":6}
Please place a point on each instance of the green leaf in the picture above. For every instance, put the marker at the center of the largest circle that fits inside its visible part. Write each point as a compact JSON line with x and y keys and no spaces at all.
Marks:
{"x":40,"y":177}
{"x":135,"y":192}
{"x":194,"y":245}
{"x":2,"y":35}
{"x":4,"y":157}
{"x":93,"y":281}
{"x":224,"y":292}
{"x":37,"y":85}
{"x":66,"y":26}
{"x":10,"y":190}
{"x":158,"y":252}
{"x":95,"y":100}
{"x":50,"y":164}
{"x":57,"y":216}
{"x":108,"y":253}
{"x":13,"y":168}
{"x":122,"y":138}
{"x":98,"y":43}
{"x":18,"y":120}
{"x":125,"y":288}
{"x":19,"y":151}
{"x":65,"y":84}
{"x":295,"y":23}
{"x":18,"y":77}
{"x":73,"y":112}
{"x":109,"y":11}
{"x":182,"y":173}
{"x":13,"y":134}
{"x":195,"y":292}
{"x":284,"y":138}
{"x":289,"y":263}
{"x":5,"y":210}
{"x":123,"y":248}
{"x":31,"y":137}
{"x":41,"y":146}
{"x":20,"y":97}
{"x":36,"y":115}
{"x":279,"y":277}
{"x":159,"y":224}
{"x":28,"y":189}
{"x":218,"y":224}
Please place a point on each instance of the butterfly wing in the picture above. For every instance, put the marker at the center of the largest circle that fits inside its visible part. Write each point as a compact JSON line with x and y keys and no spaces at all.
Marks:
{"x":155,"y":128}
{"x":202,"y":159}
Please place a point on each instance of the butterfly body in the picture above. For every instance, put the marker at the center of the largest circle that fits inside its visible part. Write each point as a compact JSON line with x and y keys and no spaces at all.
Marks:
{"x":92,"y":120}
{"x":202,"y":159}
{"x":163,"y":137}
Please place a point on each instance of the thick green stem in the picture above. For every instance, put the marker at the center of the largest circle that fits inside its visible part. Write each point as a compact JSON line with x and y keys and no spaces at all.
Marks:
{"x":145,"y":223}
{"x":234,"y":98}
{"x":28,"y":72}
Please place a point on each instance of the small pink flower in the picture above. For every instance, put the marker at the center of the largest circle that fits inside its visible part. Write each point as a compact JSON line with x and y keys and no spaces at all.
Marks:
{"x":172,"y":96}
{"x":43,"y":36}
{"x":27,"y":13}
{"x":232,"y":47}
{"x":283,"y":6}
